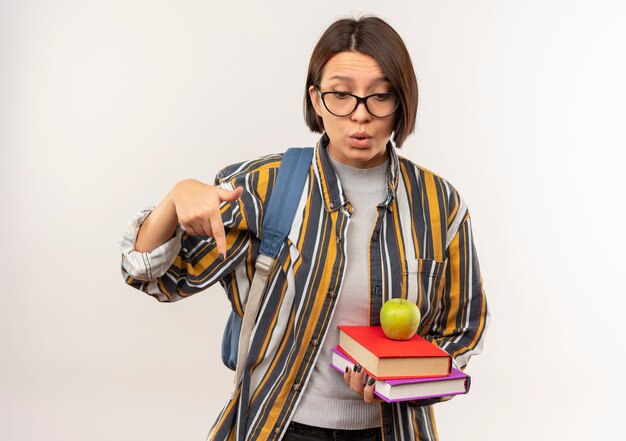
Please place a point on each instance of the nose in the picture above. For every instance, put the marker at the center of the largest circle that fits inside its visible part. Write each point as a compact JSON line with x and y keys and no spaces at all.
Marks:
{"x":361,"y":113}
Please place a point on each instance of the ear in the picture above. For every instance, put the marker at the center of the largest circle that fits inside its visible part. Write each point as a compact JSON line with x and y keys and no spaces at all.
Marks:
{"x":316,"y":100}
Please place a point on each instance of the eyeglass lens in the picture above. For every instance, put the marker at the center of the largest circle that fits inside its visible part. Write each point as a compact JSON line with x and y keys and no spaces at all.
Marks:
{"x":342,"y":104}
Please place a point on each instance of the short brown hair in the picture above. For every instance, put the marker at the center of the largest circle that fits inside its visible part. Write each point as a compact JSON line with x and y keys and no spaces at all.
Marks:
{"x":374,"y":37}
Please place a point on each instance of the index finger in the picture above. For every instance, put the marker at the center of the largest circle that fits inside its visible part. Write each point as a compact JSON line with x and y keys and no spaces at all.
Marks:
{"x":219,"y":233}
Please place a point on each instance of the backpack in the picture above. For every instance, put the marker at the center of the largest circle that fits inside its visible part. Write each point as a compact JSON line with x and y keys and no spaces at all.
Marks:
{"x":277,"y":221}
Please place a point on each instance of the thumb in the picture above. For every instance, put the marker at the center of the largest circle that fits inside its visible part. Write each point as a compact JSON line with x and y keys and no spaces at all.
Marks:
{"x":230,"y":195}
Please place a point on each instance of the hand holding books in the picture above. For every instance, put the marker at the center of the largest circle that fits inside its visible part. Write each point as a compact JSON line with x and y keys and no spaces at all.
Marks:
{"x":406,"y":370}
{"x":357,"y":380}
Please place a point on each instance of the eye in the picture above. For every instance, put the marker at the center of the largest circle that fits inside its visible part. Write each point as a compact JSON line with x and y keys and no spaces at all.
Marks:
{"x":342,"y":95}
{"x":382,"y":97}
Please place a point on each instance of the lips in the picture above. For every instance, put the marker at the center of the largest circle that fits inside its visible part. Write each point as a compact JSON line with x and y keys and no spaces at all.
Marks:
{"x":360,"y":135}
{"x":360,"y":140}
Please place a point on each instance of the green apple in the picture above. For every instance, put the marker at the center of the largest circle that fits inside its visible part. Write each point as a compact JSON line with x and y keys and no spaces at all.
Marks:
{"x":399,"y":318}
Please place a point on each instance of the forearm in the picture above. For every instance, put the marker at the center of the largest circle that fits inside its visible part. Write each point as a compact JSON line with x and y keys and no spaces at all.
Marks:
{"x":158,"y":227}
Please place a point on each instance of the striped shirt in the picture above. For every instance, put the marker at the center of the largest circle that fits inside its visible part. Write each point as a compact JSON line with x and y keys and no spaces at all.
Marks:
{"x":421,"y":248}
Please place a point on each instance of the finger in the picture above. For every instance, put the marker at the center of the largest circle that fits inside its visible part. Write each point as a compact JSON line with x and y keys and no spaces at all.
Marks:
{"x":190,"y":230}
{"x":368,"y":391}
{"x":356,"y":379}
{"x":205,"y":226}
{"x":217,"y":228}
{"x":205,"y":229}
{"x":229,"y":195}
{"x":346,"y":375}
{"x":194,"y":228}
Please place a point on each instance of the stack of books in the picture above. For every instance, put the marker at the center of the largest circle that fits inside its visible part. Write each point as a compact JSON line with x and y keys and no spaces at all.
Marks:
{"x":413,"y":369}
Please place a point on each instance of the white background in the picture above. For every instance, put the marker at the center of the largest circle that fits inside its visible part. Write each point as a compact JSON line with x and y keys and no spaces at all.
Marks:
{"x":105,"y":105}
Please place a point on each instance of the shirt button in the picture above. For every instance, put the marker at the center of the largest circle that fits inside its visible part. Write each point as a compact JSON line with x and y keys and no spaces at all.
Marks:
{"x":277,"y":431}
{"x":331,"y":205}
{"x":332,"y":294}
{"x":296,"y":387}
{"x":314,"y":342}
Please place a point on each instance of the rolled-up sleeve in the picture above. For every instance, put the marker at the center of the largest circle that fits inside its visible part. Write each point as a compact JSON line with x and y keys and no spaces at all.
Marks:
{"x":147,"y":266}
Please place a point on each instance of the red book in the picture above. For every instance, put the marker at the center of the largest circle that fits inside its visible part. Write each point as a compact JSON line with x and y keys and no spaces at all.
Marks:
{"x":385,"y":358}
{"x":409,"y":388}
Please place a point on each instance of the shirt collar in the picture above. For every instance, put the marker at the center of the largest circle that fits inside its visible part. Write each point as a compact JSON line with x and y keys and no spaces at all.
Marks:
{"x":330,"y":187}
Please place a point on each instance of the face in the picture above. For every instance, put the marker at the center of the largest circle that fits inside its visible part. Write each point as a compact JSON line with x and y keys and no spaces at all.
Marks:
{"x":358,"y":140}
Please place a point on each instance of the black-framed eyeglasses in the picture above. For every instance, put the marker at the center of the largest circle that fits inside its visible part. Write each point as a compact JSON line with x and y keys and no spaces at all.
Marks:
{"x":342,"y":104}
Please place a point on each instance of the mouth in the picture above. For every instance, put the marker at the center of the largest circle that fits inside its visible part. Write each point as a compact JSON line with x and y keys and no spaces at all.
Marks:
{"x":360,"y":136}
{"x":360,"y":140}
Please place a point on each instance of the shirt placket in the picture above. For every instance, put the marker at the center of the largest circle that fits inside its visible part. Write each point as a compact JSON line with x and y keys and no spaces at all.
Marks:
{"x":323,"y":322}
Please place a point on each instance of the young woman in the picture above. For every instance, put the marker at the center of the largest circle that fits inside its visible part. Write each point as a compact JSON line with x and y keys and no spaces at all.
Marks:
{"x":370,"y":226}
